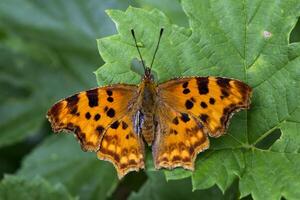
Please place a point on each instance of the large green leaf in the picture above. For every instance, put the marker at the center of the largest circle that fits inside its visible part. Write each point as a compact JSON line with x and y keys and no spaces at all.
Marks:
{"x":247,"y":40}
{"x":29,"y":90}
{"x":60,"y":160}
{"x":13,"y":187}
{"x":172,"y":8}
{"x":157,"y":188}
{"x":47,"y":51}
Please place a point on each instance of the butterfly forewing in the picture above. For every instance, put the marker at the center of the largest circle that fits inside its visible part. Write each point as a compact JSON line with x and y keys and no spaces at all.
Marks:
{"x":88,"y":114}
{"x":210,"y":99}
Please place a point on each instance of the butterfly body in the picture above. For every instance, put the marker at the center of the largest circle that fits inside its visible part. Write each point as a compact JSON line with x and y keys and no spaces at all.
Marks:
{"x":146,"y":106}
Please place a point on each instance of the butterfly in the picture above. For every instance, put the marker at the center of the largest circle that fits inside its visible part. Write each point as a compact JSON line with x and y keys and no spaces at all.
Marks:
{"x":174,"y":117}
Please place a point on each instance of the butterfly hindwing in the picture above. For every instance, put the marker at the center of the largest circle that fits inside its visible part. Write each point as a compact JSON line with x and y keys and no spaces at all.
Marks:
{"x":89,"y":113}
{"x":122,"y":146}
{"x":212,"y":100}
{"x":179,"y":138}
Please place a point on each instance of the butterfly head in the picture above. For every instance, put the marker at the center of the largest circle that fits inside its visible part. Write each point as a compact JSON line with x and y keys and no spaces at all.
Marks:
{"x":148,"y":76}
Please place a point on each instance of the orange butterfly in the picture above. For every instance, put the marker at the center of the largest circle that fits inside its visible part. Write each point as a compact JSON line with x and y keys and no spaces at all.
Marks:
{"x":175,"y":117}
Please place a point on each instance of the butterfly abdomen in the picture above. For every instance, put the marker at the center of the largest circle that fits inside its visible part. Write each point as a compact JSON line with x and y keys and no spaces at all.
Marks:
{"x":145,"y":113}
{"x":148,"y":128}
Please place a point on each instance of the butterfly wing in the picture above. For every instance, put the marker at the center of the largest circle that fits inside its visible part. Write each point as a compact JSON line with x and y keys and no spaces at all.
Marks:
{"x":213,"y":100}
{"x":88,"y":114}
{"x":122,"y":146}
{"x":101,"y":120}
{"x":179,"y":138}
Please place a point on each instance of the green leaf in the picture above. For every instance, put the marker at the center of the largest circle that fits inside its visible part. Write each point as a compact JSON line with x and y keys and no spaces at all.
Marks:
{"x":60,"y":159}
{"x":48,"y":52}
{"x":156,"y":188}
{"x":29,"y":92}
{"x":171,"y":8}
{"x":13,"y":187}
{"x":247,"y":40}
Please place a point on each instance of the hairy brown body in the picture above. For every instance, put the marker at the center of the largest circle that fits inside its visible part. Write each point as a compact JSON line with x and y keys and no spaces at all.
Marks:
{"x":144,"y":118}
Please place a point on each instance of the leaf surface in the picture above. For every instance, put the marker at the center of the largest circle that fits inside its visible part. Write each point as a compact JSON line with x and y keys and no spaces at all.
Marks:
{"x":13,"y":187}
{"x":246,"y":40}
{"x":60,"y":160}
{"x":48,"y":52}
{"x":157,"y":188}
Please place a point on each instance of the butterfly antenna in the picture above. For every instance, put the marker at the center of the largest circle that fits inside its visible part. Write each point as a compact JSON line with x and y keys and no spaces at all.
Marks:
{"x":133,"y":35}
{"x":160,"y":34}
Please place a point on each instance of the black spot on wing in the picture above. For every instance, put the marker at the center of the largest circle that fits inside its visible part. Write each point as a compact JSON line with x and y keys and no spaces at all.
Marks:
{"x":225,"y":93}
{"x":100,"y":129}
{"x":212,"y":101}
{"x":87,"y":115}
{"x":204,"y":117}
{"x":185,"y":84}
{"x":185,"y":117}
{"x":97,"y":117}
{"x":203,"y":104}
{"x":92,"y":96}
{"x":186,"y":91}
{"x":189,"y":104}
{"x":202,"y":83}
{"x":105,"y":108}
{"x":73,"y":100}
{"x":110,"y":113}
{"x":110,"y":99}
{"x":175,"y":121}
{"x":115,"y":125}
{"x":109,"y":92}
{"x":124,"y":125}
{"x":223,"y":82}
{"x":72,"y":104}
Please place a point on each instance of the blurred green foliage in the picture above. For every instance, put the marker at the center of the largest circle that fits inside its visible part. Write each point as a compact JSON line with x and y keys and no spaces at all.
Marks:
{"x":48,"y":50}
{"x":14,"y":187}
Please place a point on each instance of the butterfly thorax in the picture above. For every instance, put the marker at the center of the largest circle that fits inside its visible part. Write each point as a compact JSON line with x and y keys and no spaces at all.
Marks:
{"x":144,"y":115}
